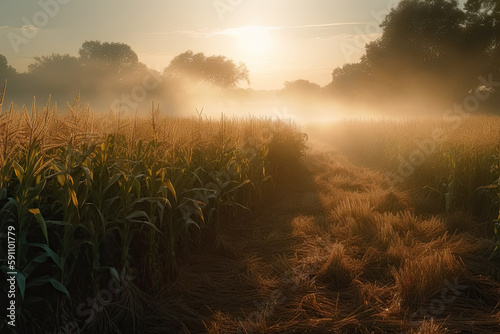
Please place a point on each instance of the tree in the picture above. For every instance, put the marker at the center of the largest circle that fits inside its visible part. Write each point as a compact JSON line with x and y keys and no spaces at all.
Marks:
{"x":300,"y":88}
{"x":116,"y":58}
{"x":215,"y":70}
{"x":483,"y":7}
{"x":423,"y":34}
{"x":6,"y":71}
{"x":113,"y":68}
{"x":427,"y":48}
{"x":437,"y":46}
{"x":482,"y":33}
{"x":301,"y":94}
{"x":54,"y":74}
{"x":350,"y":77}
{"x":55,"y":64}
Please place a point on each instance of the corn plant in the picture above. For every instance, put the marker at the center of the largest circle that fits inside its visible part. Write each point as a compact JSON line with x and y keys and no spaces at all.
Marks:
{"x":93,"y":195}
{"x":495,"y":186}
{"x":23,"y":198}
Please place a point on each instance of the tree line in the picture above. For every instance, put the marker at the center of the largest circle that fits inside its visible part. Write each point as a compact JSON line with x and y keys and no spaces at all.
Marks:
{"x":110,"y":72}
{"x":429,"y":49}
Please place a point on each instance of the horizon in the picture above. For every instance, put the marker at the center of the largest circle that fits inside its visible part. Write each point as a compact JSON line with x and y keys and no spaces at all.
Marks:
{"x":323,"y":34}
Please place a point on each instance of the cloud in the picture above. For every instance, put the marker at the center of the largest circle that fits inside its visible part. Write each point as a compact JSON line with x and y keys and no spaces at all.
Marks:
{"x":20,"y":29}
{"x":351,"y":37}
{"x":208,"y":32}
{"x":326,"y":25}
{"x":201,"y":33}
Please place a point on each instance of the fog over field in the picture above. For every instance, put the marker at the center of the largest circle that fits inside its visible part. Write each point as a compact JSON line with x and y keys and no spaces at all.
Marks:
{"x":264,"y":166}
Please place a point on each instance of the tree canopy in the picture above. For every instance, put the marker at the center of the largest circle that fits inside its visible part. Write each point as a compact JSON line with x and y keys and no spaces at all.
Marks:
{"x":6,"y":71}
{"x":117,"y":57}
{"x":300,"y":88}
{"x":55,"y":63}
{"x":431,"y":46}
{"x":214,"y":70}
{"x":112,"y":71}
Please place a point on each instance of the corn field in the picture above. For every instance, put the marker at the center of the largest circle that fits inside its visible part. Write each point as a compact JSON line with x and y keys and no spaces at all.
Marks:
{"x":118,"y":198}
{"x":447,"y":166}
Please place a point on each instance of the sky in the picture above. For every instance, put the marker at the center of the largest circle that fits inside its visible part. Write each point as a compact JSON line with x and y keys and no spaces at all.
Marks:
{"x":278,"y":40}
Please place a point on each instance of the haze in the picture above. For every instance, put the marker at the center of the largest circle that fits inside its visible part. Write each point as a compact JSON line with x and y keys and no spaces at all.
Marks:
{"x":307,"y":61}
{"x":278,"y":40}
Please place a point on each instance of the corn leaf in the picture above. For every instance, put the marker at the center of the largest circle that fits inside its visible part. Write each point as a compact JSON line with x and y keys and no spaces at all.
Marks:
{"x":41,"y":221}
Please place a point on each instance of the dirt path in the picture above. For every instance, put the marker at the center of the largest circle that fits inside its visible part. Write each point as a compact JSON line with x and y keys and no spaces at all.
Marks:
{"x":338,"y":251}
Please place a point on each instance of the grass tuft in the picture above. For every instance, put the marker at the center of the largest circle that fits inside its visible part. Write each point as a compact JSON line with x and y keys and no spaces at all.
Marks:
{"x":337,"y":272}
{"x":418,"y":280}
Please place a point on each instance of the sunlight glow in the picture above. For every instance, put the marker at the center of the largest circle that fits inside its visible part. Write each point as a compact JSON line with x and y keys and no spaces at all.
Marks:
{"x":254,"y":41}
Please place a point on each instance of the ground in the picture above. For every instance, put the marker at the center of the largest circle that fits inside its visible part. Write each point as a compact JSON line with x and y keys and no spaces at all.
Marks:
{"x":337,"y":250}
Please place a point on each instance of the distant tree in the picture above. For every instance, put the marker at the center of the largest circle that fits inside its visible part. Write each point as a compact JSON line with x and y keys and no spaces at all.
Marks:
{"x":300,"y":87}
{"x":350,"y":77}
{"x":215,"y":70}
{"x":420,"y":34}
{"x":113,"y":68}
{"x":113,"y":58}
{"x":55,"y":64}
{"x":55,"y":74}
{"x":483,"y":7}
{"x":426,"y":46}
{"x":482,"y":41}
{"x":6,"y":71}
{"x":482,"y":33}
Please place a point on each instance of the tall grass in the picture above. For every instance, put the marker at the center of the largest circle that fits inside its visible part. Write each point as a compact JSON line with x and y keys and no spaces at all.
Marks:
{"x":448,"y":166}
{"x":96,"y":198}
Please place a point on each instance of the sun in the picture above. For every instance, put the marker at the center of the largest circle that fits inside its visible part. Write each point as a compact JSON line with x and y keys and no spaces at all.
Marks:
{"x":253,"y":41}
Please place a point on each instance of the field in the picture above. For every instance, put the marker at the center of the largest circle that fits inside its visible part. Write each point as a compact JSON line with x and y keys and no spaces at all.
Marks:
{"x":134,"y":224}
{"x":450,"y":164}
{"x":102,"y":205}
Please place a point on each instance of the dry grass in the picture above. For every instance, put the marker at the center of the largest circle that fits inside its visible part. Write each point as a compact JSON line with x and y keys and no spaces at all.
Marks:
{"x":444,"y":172}
{"x":422,"y":278}
{"x":115,"y":193}
{"x":337,"y":272}
{"x":332,"y":249}
{"x":365,"y":262}
{"x":429,"y":327}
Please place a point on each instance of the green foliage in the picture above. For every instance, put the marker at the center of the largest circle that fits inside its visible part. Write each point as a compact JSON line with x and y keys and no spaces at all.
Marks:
{"x":429,"y":51}
{"x":95,"y":55}
{"x":458,"y":171}
{"x":215,"y":70}
{"x":87,"y":206}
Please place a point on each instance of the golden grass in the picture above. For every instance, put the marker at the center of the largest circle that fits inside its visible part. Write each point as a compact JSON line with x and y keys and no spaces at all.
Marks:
{"x":127,"y":193}
{"x":429,"y":327}
{"x":422,"y":278}
{"x":332,"y":249}
{"x":352,"y":268}
{"x":336,"y":272}
{"x":445,"y":164}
